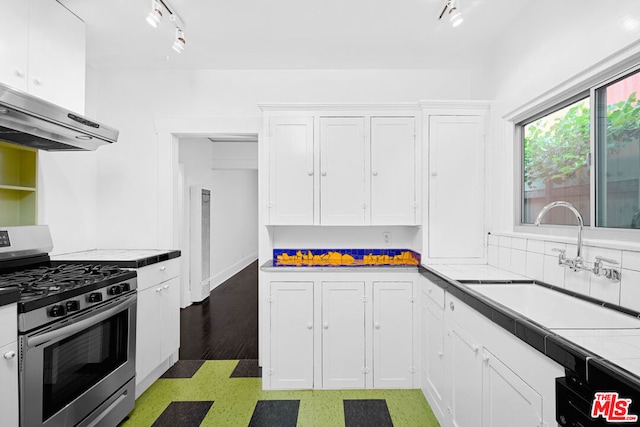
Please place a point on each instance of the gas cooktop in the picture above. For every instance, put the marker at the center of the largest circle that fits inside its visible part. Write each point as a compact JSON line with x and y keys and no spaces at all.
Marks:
{"x":45,"y":285}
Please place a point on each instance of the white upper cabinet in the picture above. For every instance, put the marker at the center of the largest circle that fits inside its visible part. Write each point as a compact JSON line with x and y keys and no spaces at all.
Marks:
{"x":341,"y":168}
{"x":43,"y":44}
{"x":342,"y":171}
{"x":14,"y":43}
{"x":393,"y":171}
{"x":456,"y":187}
{"x":291,"y":171}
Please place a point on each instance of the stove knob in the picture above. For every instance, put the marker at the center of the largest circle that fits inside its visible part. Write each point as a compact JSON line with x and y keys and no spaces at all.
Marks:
{"x":126,"y":287}
{"x":115,"y":290}
{"x":57,"y":311}
{"x":73,"y":305}
{"x":94,"y":297}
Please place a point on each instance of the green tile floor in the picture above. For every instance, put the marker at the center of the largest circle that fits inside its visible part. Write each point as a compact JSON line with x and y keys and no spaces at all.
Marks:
{"x":235,"y":399}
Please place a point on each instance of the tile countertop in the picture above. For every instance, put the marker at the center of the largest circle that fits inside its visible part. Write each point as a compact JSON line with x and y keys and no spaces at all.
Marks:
{"x":599,"y":355}
{"x":123,"y":258}
{"x":270,"y":267}
{"x":9,"y":295}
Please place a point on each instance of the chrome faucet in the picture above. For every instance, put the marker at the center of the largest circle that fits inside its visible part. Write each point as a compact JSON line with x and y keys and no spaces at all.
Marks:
{"x":573,"y":263}
{"x":576,"y":263}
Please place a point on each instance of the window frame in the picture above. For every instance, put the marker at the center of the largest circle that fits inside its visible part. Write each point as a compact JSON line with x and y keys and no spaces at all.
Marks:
{"x":586,"y":83}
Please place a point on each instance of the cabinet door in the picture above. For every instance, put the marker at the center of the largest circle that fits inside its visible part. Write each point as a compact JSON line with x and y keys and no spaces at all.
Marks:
{"x":433,"y":376}
{"x":291,"y":170}
{"x":393,"y":183}
{"x":463,"y":359}
{"x":343,"y":349}
{"x":342,"y":169}
{"x":9,"y":384}
{"x":56,"y":55}
{"x":14,"y":43}
{"x":392,"y":334}
{"x":148,"y":331}
{"x":456,"y":187}
{"x":506,"y":397}
{"x":170,"y":296}
{"x":291,"y":324}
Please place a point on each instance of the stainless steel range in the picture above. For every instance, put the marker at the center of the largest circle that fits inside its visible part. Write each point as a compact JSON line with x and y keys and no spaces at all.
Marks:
{"x":76,"y":328}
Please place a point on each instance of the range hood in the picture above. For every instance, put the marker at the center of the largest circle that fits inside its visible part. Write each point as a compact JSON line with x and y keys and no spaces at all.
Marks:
{"x":31,"y":121}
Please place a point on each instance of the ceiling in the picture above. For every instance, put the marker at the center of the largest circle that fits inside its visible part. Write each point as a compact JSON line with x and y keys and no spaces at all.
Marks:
{"x":293,"y":34}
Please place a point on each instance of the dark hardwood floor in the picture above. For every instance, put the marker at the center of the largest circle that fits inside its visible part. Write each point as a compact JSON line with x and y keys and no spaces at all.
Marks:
{"x":225,"y":325}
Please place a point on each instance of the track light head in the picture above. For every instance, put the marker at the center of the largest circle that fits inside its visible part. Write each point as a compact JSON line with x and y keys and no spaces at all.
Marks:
{"x":155,"y":14}
{"x":180,"y":42}
{"x":455,"y":16}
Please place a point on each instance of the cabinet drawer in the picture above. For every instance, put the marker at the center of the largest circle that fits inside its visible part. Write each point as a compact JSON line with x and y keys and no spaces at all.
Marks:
{"x":9,"y":322}
{"x":158,"y":273}
{"x":434,"y":292}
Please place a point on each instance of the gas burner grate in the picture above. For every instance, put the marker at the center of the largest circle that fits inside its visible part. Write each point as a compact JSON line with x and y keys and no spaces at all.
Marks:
{"x":40,"y":282}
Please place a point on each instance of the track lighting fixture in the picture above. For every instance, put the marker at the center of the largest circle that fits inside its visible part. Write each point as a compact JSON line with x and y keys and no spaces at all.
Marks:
{"x":179,"y":43}
{"x":455,"y":16}
{"x":155,"y":15}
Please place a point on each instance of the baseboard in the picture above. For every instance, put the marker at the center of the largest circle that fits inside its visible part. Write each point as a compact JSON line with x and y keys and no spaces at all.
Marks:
{"x":232,"y":270}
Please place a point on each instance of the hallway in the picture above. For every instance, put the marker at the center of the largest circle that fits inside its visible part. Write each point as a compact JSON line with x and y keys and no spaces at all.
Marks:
{"x":225,"y":325}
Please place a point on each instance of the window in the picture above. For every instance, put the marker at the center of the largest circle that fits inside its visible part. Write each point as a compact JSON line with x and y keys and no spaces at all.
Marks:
{"x":557,"y":147}
{"x":618,"y":154}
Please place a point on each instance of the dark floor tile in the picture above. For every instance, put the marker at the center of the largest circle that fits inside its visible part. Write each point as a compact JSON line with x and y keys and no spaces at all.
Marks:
{"x":247,"y":369}
{"x":275,"y":413}
{"x":367,"y":413}
{"x":183,"y":369}
{"x":185,"y":414}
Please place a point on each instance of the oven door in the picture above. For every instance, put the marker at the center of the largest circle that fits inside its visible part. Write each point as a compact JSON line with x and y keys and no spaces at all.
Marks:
{"x":76,"y":370}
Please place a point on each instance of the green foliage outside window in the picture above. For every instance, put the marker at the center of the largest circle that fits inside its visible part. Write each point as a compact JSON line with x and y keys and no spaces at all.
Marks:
{"x":556,"y":149}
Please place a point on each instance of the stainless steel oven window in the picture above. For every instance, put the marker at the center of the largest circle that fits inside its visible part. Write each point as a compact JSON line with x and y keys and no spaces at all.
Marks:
{"x":59,"y":389}
{"x":72,"y":366}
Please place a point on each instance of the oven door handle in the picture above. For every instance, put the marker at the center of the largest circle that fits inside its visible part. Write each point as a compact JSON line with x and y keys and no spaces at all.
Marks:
{"x":71,"y":329}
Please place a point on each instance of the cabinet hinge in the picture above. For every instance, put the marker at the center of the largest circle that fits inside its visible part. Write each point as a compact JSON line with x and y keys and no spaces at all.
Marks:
{"x":269,"y":205}
{"x":364,"y":205}
{"x":365,"y":299}
{"x":412,"y":370}
{"x":271,"y":371}
{"x":365,"y":370}
{"x":412,"y":300}
{"x":270,"y":299}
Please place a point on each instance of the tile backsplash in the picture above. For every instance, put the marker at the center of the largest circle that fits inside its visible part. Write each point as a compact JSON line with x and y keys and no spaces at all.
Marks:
{"x":534,"y":257}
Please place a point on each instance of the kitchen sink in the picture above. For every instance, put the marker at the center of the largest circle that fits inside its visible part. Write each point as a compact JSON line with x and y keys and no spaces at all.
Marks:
{"x":553,"y":309}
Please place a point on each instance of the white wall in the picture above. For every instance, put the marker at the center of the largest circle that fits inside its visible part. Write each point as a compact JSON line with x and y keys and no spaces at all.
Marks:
{"x":555,"y":47}
{"x":550,"y":43}
{"x":67,"y":199}
{"x":135,"y":176}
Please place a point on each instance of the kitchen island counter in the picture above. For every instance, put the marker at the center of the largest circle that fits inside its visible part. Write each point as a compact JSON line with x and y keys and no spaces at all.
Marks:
{"x":123,"y":258}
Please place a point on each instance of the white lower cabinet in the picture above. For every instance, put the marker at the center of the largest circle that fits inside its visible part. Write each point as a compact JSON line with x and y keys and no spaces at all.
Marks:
{"x":432,"y":348}
{"x":506,"y":397}
{"x":474,"y":373}
{"x":464,"y":371}
{"x":9,"y":365}
{"x":291,"y":335}
{"x":338,"y":331}
{"x":158,"y":321}
{"x":343,"y":335}
{"x":393,"y":335}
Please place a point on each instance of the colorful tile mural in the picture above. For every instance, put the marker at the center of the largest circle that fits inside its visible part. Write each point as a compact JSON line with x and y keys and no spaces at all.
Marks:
{"x":344,"y":257}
